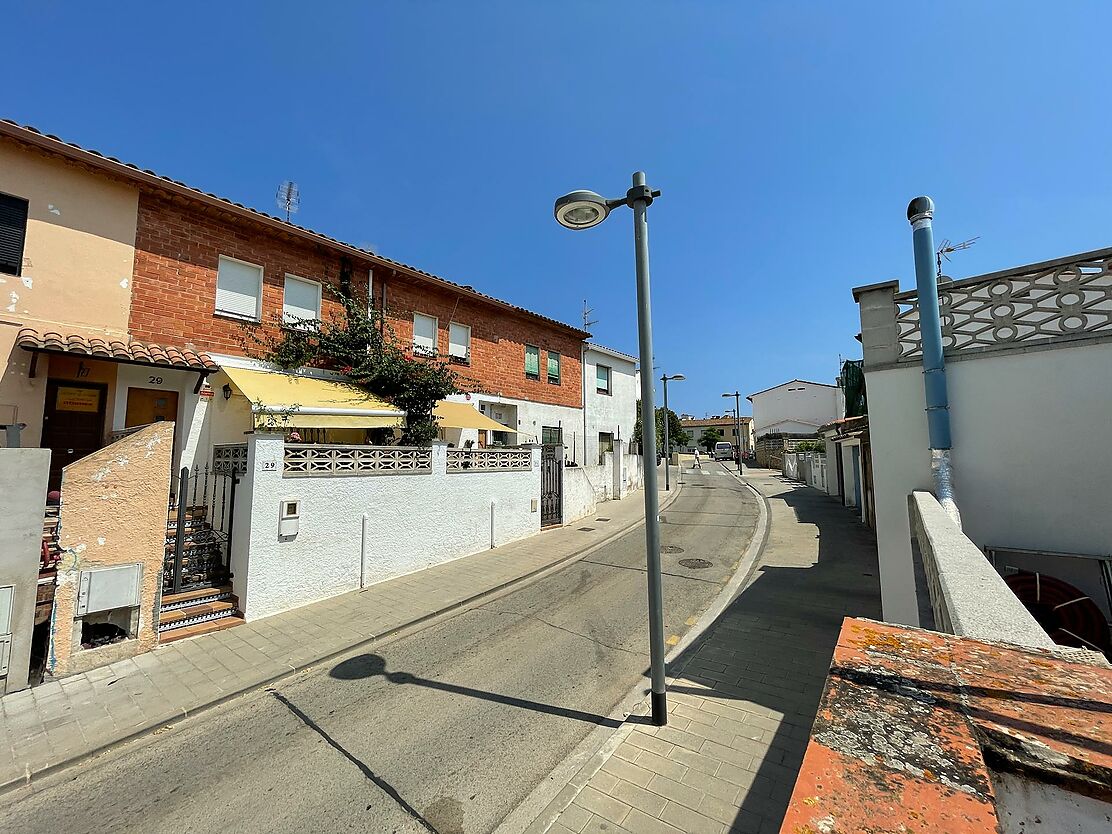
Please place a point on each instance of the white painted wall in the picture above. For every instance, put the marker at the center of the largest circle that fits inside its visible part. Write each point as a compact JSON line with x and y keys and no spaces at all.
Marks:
{"x":1030,"y":456}
{"x":796,"y":406}
{"x":191,"y":408}
{"x":579,"y":494}
{"x":1025,"y":805}
{"x":416,"y":521}
{"x":532,"y":417}
{"x":616,"y":412}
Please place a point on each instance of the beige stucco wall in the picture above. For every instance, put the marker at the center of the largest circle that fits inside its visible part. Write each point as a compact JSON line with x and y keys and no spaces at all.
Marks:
{"x":113,"y":513}
{"x":77,"y":265}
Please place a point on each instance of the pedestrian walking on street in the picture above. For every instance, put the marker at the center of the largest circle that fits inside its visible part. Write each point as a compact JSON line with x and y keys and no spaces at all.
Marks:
{"x":697,"y":465}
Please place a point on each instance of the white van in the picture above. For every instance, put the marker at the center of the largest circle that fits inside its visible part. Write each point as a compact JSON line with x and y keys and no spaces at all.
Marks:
{"x":723,"y":450}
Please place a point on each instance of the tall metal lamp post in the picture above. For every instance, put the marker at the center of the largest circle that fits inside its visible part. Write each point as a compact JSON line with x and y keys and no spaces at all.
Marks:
{"x":737,"y":419}
{"x":667,"y":440}
{"x":582,"y":210}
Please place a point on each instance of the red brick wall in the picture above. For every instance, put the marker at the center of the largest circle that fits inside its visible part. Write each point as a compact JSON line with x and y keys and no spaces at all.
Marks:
{"x":177,"y":250}
{"x":498,"y":339}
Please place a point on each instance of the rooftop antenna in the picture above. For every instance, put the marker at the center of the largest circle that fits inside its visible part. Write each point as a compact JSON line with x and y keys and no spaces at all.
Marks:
{"x":946,"y":248}
{"x":587,"y":320}
{"x":289,"y":198}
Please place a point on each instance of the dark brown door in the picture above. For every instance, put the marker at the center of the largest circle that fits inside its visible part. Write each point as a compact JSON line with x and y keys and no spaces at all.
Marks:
{"x":73,"y":422}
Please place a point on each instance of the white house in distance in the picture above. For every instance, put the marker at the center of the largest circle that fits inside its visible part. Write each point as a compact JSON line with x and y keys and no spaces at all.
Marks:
{"x":796,"y":407}
{"x":611,"y":388}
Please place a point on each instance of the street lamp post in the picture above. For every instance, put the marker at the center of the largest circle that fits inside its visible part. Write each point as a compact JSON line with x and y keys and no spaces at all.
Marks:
{"x":737,"y":420}
{"x":582,"y":210}
{"x":667,"y":441}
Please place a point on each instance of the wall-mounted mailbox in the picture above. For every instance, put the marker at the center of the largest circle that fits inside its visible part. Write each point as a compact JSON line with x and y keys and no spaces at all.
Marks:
{"x":105,"y":589}
{"x":289,"y":517}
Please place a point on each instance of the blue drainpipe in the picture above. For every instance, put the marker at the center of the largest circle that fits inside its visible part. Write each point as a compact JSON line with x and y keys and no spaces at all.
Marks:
{"x":920,"y":212}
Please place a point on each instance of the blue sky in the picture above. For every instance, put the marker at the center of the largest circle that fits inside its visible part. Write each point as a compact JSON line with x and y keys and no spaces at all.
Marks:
{"x":787,"y":139}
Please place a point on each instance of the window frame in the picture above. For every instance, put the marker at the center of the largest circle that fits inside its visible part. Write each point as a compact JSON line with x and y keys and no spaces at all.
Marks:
{"x":466,"y":358}
{"x":420,"y":350}
{"x":537,"y":375}
{"x":258,"y":317}
{"x":548,"y":368}
{"x":609,"y":389}
{"x":559,"y":432}
{"x":300,"y":324}
{"x":18,"y":271}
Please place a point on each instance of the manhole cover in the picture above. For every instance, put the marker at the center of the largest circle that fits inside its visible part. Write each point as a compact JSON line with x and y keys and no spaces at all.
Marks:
{"x":696,"y":564}
{"x":671,"y":548}
{"x":586,"y":529}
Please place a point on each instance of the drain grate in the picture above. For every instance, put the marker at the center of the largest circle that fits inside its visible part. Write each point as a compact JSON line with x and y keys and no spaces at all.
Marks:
{"x":696,"y":564}
{"x":670,"y":548}
{"x":586,"y":529}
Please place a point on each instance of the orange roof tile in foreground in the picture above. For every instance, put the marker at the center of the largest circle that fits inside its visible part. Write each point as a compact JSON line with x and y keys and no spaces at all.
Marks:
{"x":908,"y":717}
{"x":118,"y":350}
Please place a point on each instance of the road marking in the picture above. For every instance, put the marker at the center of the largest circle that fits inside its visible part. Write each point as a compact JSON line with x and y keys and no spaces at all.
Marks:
{"x":671,"y":641}
{"x":691,"y":621}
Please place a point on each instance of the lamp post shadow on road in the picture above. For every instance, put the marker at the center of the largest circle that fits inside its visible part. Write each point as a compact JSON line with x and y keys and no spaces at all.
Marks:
{"x":582,"y":210}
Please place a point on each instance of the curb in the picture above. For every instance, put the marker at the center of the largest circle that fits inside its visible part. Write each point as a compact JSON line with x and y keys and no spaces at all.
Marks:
{"x":400,"y":630}
{"x":559,"y":791}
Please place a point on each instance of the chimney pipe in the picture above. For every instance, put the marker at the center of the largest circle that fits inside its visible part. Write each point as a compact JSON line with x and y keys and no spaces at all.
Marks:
{"x":920,"y":213}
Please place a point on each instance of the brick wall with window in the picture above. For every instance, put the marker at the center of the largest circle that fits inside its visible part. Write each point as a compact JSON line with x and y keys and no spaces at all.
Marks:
{"x":178,"y":251}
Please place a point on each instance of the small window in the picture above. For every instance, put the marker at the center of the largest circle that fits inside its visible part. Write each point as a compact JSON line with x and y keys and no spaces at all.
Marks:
{"x":13,"y":233}
{"x":239,"y":289}
{"x":300,"y":302}
{"x":532,"y":362}
{"x":602,"y":379}
{"x":424,"y":335}
{"x":552,"y":436}
{"x":459,"y":343}
{"x":554,"y":368}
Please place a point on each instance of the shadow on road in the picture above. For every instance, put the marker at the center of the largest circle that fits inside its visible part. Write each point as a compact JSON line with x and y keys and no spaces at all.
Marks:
{"x":364,"y":666}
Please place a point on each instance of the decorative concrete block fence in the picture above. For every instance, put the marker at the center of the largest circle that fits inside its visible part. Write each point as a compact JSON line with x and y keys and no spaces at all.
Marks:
{"x":314,"y":521}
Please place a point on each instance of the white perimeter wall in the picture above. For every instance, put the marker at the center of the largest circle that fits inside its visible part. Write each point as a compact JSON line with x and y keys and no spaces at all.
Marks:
{"x":415,"y":522}
{"x":1031,"y":456}
{"x":813,"y":406}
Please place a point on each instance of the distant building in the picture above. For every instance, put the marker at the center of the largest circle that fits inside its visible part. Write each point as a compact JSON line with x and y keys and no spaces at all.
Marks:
{"x":726,"y":426}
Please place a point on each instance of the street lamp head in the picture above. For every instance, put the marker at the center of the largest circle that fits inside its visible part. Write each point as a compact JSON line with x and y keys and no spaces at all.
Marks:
{"x":581,"y":210}
{"x":679,"y":377}
{"x":729,"y":395}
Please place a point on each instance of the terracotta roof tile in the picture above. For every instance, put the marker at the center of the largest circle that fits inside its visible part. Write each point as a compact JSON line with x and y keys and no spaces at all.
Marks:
{"x":117,"y":350}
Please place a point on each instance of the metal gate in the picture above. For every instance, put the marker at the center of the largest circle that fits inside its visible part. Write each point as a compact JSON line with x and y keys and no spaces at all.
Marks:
{"x":199,"y":530}
{"x":552,"y":485}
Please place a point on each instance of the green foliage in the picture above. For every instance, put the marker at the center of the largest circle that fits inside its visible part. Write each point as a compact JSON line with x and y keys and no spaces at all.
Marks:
{"x":811,"y":446}
{"x":709,"y":438}
{"x":358,"y":343}
{"x":677,"y":434}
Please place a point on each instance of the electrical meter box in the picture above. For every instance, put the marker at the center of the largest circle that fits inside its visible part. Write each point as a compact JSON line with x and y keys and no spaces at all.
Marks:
{"x":289,"y":517}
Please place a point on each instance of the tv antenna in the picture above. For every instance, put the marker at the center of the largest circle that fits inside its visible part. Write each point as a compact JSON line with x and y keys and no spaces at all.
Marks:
{"x":289,"y":198}
{"x":587,"y":320}
{"x":947,"y":248}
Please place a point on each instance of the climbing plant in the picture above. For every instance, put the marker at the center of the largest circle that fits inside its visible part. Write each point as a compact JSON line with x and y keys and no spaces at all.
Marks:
{"x":359,"y":343}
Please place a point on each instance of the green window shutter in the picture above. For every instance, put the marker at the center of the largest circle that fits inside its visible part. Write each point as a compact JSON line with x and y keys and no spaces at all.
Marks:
{"x":553,"y":367}
{"x":532,"y":361}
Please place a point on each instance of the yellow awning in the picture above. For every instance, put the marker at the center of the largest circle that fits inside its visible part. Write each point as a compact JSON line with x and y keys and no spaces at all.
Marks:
{"x":451,"y":415}
{"x":307,"y":402}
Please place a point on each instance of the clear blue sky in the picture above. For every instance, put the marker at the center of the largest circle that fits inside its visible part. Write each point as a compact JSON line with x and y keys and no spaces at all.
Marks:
{"x":787,"y":139}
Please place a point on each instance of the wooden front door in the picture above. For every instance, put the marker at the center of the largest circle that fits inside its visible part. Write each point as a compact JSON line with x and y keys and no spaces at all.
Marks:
{"x":150,"y":405}
{"x":73,"y":422}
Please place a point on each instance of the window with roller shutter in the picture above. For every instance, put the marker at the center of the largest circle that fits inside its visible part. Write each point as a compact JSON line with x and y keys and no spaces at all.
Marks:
{"x":239,"y":289}
{"x":13,"y":233}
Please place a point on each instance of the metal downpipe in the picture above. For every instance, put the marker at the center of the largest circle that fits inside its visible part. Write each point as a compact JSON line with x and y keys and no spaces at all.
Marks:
{"x":920,"y":213}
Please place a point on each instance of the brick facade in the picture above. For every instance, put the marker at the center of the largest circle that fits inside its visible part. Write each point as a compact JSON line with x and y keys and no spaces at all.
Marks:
{"x":177,"y":250}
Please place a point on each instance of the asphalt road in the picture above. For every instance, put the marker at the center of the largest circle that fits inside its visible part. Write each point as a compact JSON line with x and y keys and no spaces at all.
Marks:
{"x":444,"y":730}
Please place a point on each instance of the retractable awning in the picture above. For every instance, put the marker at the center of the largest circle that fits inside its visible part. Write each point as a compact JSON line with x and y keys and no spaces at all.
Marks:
{"x":311,"y":402}
{"x":451,"y":415}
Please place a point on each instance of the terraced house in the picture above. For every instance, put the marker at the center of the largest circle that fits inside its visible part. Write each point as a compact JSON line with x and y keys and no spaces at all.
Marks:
{"x":129,"y":300}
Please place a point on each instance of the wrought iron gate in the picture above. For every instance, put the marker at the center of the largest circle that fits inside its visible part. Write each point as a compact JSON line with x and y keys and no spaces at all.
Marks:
{"x":199,"y":529}
{"x":552,"y":485}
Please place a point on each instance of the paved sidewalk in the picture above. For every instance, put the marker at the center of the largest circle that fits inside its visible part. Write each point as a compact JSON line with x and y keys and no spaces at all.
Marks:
{"x":742,"y":697}
{"x":63,"y":721}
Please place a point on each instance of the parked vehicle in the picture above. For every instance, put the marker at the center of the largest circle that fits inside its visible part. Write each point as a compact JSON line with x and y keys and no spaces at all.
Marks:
{"x":723,"y":450}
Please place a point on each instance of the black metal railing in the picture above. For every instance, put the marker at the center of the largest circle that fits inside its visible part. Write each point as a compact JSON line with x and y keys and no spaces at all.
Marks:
{"x":199,"y":530}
